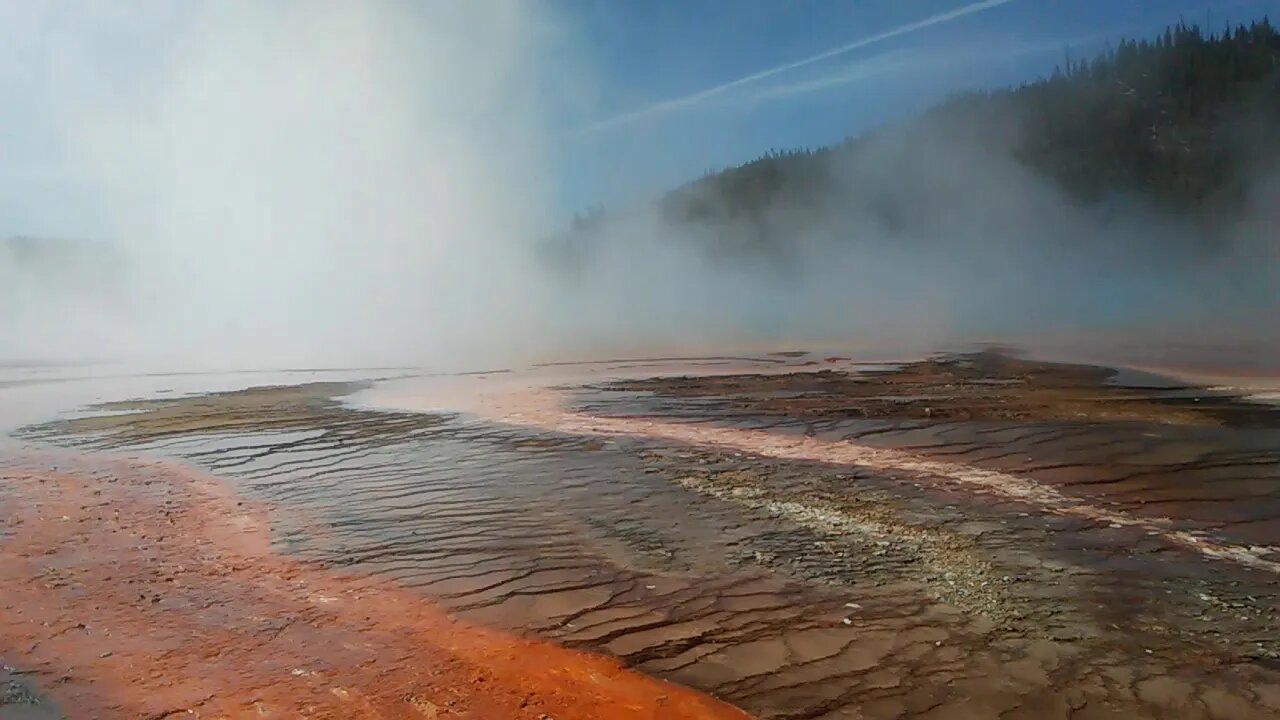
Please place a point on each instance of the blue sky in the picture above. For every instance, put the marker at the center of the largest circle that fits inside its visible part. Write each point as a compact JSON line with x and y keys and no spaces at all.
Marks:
{"x":619,"y":135}
{"x":649,"y":52}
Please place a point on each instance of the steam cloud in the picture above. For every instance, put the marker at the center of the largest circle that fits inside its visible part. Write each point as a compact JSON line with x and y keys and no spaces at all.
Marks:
{"x":364,"y":183}
{"x":933,"y":236}
{"x":334,"y":182}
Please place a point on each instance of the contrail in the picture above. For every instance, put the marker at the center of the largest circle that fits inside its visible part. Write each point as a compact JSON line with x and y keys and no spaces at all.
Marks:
{"x":665,"y":106}
{"x":900,"y":61}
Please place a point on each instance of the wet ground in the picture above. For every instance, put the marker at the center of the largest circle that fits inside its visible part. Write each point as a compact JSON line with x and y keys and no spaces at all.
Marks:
{"x":21,"y":699}
{"x":971,"y":536}
{"x":138,"y":589}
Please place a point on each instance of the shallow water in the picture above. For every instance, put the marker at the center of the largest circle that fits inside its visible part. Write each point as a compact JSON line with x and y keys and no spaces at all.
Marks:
{"x":797,"y":588}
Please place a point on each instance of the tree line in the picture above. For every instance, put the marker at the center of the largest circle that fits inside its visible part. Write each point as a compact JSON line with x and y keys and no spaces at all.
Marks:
{"x":1184,"y":122}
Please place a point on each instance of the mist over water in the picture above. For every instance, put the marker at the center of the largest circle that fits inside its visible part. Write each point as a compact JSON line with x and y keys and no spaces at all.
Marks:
{"x":370,"y":183}
{"x":317,"y":180}
{"x":339,"y":182}
{"x":983,"y":248}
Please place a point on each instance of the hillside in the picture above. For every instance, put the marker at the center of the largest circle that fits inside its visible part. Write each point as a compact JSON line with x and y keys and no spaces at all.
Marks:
{"x":1182,"y":127}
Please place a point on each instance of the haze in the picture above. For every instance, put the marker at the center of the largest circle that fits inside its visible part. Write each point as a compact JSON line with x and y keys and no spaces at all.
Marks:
{"x":319,"y":184}
{"x":299,"y":182}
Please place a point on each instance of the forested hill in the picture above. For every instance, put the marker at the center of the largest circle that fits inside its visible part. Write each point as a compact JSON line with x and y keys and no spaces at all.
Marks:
{"x":1185,"y":125}
{"x":1183,"y":120}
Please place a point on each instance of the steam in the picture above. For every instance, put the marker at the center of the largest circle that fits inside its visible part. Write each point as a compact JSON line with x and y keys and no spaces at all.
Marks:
{"x":334,"y":182}
{"x":926,"y":236}
{"x":365,"y":183}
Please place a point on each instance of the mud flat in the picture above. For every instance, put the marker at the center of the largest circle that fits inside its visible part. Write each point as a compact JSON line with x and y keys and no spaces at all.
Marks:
{"x":966,"y":536}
